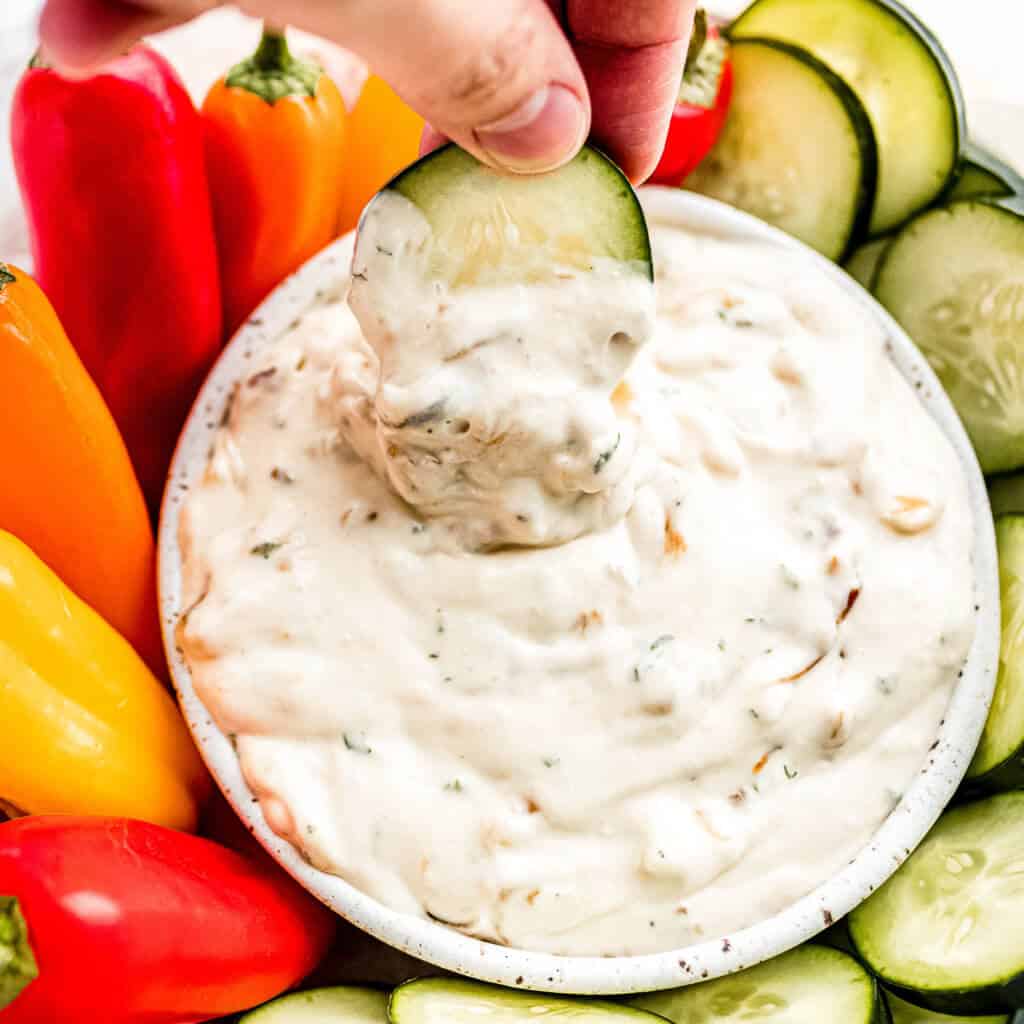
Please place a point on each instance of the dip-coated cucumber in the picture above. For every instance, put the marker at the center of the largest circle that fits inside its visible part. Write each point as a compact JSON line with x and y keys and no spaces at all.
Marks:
{"x":947,"y":930}
{"x":899,"y":72}
{"x":492,"y":228}
{"x":906,"y":1013}
{"x":999,"y":760}
{"x":810,"y":983}
{"x":982,"y":174}
{"x":954,"y":278}
{"x":458,"y":1001}
{"x":817,"y":184}
{"x":344,"y":1004}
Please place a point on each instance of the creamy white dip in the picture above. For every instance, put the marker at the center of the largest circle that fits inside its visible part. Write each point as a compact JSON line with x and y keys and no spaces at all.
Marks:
{"x":665,"y":728}
{"x":489,"y":408}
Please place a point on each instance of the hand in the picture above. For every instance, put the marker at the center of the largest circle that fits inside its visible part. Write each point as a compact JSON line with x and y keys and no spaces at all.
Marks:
{"x":520,"y":83}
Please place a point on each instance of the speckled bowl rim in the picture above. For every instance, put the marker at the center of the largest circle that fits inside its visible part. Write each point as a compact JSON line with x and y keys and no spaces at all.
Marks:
{"x":889,"y":847}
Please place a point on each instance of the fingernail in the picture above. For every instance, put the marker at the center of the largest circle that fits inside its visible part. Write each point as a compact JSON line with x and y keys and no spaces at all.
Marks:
{"x":430,"y":140}
{"x":540,"y":134}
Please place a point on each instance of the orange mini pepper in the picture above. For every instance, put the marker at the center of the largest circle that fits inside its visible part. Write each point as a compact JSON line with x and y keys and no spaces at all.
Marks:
{"x":383,"y":139}
{"x":274,"y":131}
{"x":67,"y":487}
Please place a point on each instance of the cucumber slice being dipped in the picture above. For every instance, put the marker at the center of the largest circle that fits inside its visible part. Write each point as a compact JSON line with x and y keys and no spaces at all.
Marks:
{"x":999,"y":760}
{"x":899,"y":72}
{"x":947,"y":930}
{"x":459,"y":1001}
{"x":342,"y":1004}
{"x":954,"y":279}
{"x":809,"y":983}
{"x":491,"y":228}
{"x":906,"y":1013}
{"x":816,"y":185}
{"x":984,"y":175}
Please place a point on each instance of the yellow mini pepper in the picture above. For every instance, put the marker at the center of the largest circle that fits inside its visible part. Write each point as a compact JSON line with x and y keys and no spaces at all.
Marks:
{"x":87,"y":728}
{"x":383,"y":139}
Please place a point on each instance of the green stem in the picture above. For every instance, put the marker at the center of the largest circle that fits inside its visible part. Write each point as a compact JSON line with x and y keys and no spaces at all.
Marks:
{"x":273,"y":72}
{"x":6,"y":277}
{"x":18,"y":967}
{"x":272,"y":54}
{"x":37,"y":61}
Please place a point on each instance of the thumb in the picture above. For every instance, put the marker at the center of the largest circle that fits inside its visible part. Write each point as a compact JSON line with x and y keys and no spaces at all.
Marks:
{"x":498,"y":77}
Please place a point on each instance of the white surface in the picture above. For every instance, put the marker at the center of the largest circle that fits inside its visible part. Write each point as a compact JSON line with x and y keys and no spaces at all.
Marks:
{"x":900,"y":833}
{"x":982,"y":38}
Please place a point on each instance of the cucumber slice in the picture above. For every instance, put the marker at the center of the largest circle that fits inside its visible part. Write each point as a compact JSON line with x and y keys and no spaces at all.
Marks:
{"x":954,"y":278}
{"x":982,"y":174}
{"x":947,"y":930}
{"x":906,"y":1013}
{"x":861,"y":266}
{"x":836,"y":936}
{"x":491,"y":228}
{"x":816,"y":184}
{"x":1006,"y":494}
{"x":899,"y":72}
{"x":344,"y":1004}
{"x":999,"y":760}
{"x":459,"y":1001}
{"x":809,"y":983}
{"x":977,"y":182}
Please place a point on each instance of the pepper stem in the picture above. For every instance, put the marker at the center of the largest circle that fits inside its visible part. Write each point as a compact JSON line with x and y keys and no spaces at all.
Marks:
{"x":273,"y":72}
{"x":6,"y":277}
{"x":18,"y":967}
{"x":272,"y":54}
{"x":37,"y":61}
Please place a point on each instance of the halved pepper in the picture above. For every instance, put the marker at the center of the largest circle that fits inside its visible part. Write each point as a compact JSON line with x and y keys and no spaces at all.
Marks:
{"x":87,"y":728}
{"x":700,"y":111}
{"x":67,"y":487}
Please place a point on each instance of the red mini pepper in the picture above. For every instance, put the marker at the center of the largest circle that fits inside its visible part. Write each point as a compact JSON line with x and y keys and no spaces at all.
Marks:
{"x":700,"y":111}
{"x":112,"y":174}
{"x":113,"y":921}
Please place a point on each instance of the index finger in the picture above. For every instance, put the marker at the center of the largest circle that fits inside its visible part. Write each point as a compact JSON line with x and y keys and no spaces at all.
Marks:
{"x":632,"y":56}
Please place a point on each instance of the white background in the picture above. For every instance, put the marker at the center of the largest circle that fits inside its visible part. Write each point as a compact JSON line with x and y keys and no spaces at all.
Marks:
{"x":983,"y":37}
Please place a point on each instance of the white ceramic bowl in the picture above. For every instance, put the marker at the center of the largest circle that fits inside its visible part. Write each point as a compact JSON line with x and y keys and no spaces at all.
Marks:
{"x":890,"y":846}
